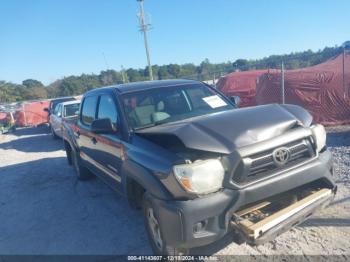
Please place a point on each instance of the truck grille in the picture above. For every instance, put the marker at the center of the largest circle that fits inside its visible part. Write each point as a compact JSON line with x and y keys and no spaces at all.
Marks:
{"x":263,"y":164}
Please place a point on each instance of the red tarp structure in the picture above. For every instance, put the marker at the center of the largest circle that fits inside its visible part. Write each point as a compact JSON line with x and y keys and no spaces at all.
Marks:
{"x":32,"y":114}
{"x":242,"y":84}
{"x":319,"y":89}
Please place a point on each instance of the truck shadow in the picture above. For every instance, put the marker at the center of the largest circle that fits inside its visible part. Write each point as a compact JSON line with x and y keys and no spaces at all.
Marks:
{"x":230,"y":238}
{"x":215,"y":247}
{"x":46,"y":210}
{"x":338,"y":139}
{"x":340,"y":201}
{"x":331,"y":222}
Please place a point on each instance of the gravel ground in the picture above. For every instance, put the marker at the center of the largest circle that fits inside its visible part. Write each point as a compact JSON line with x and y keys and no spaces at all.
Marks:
{"x":45,"y":210}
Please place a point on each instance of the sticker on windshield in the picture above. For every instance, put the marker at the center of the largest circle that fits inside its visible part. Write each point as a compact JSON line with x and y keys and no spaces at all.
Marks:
{"x":214,"y":101}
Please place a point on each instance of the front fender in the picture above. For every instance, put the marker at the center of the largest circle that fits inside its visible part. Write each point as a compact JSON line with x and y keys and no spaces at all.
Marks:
{"x":152,"y":184}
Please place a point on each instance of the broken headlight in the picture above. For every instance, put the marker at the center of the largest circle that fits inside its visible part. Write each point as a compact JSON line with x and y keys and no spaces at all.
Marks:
{"x":319,"y":134}
{"x":200,"y":177}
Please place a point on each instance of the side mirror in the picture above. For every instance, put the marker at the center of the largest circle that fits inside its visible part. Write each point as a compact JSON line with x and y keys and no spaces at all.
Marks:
{"x":102,"y":126}
{"x":47,"y":110}
{"x":236,"y":100}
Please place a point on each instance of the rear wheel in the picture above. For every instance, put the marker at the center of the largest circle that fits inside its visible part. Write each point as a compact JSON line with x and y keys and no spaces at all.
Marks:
{"x":81,"y":172}
{"x":155,"y":236}
{"x":53,"y":134}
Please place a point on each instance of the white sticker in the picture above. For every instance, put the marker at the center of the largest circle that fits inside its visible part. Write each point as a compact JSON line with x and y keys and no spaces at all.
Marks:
{"x":214,"y":101}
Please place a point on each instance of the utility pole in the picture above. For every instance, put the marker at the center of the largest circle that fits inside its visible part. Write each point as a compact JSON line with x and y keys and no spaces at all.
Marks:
{"x":282,"y":83}
{"x":123,"y":75}
{"x":145,"y":27}
{"x":344,"y":86}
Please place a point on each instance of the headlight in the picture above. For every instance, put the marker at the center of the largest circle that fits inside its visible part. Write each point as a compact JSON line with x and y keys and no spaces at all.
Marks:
{"x":200,"y":177}
{"x":320,"y":135}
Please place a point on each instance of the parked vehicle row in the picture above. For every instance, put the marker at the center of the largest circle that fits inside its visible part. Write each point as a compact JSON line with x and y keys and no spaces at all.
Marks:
{"x":197,"y":166}
{"x":63,"y":111}
{"x":54,"y":102}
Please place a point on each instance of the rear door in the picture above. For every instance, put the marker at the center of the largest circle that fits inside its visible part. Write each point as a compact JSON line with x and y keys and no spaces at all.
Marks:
{"x":109,"y":146}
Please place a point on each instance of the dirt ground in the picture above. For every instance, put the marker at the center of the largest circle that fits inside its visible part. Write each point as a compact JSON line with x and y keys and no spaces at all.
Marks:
{"x":45,"y":210}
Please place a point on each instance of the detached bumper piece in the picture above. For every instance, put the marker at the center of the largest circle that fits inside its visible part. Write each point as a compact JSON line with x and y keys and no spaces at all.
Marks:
{"x":263,"y":221}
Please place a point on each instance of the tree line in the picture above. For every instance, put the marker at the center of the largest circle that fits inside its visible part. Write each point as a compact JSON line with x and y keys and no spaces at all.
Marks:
{"x":32,"y":89}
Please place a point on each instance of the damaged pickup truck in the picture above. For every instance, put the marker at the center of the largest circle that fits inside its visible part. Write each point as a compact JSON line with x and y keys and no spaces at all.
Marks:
{"x":199,"y":167}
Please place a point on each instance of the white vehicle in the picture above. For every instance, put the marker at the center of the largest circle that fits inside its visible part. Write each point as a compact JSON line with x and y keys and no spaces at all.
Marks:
{"x":62,"y":111}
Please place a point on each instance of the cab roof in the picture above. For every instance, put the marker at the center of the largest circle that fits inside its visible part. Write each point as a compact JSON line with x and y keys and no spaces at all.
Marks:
{"x":138,"y":86}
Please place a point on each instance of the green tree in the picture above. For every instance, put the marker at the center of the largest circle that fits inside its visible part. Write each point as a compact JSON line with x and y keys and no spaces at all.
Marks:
{"x":163,"y":73}
{"x":134,"y":75}
{"x":241,"y":64}
{"x":188,"y":70}
{"x":30,"y":83}
{"x":174,"y":70}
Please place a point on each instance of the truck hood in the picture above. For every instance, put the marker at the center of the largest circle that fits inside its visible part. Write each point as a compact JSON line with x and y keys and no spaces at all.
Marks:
{"x":225,"y":131}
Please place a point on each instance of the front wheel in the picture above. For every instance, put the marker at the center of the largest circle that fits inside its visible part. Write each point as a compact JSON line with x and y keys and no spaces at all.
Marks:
{"x":155,"y":236}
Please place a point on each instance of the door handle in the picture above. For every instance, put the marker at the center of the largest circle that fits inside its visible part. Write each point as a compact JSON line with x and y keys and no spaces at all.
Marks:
{"x":94,"y":141}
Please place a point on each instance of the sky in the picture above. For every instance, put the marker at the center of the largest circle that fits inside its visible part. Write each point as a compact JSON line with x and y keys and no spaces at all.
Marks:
{"x":50,"y":39}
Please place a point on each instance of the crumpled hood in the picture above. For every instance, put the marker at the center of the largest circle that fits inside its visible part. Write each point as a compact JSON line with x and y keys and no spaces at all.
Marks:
{"x":225,"y":131}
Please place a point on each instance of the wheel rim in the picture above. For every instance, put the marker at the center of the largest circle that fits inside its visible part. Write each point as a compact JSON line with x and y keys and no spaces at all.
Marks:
{"x":155,"y":230}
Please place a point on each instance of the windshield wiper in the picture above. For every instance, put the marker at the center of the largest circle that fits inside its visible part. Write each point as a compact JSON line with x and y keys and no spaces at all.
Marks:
{"x":150,"y":125}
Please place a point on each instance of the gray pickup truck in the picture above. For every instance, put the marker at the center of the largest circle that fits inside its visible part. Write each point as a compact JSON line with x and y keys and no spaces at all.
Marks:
{"x":198,"y":166}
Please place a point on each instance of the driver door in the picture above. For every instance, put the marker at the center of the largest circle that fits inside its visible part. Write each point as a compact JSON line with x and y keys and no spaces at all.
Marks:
{"x":108,"y":147}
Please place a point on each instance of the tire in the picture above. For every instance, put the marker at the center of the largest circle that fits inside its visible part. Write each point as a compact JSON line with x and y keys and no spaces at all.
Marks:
{"x":68,"y":150}
{"x":53,"y":134}
{"x":154,"y":233}
{"x":81,"y":172}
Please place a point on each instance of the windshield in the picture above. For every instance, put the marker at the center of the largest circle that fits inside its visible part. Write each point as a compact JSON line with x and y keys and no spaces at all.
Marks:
{"x":71,"y":110}
{"x":168,"y":104}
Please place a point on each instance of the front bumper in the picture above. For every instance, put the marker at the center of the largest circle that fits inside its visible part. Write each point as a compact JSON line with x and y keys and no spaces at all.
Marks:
{"x":201,"y":221}
{"x":287,"y":224}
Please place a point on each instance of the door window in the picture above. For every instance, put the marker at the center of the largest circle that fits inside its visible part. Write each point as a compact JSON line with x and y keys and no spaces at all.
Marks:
{"x":89,"y":110}
{"x":107,"y":109}
{"x":56,"y":110}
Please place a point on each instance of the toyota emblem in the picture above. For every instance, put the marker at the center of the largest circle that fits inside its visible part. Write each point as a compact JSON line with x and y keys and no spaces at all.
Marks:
{"x":281,"y":156}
